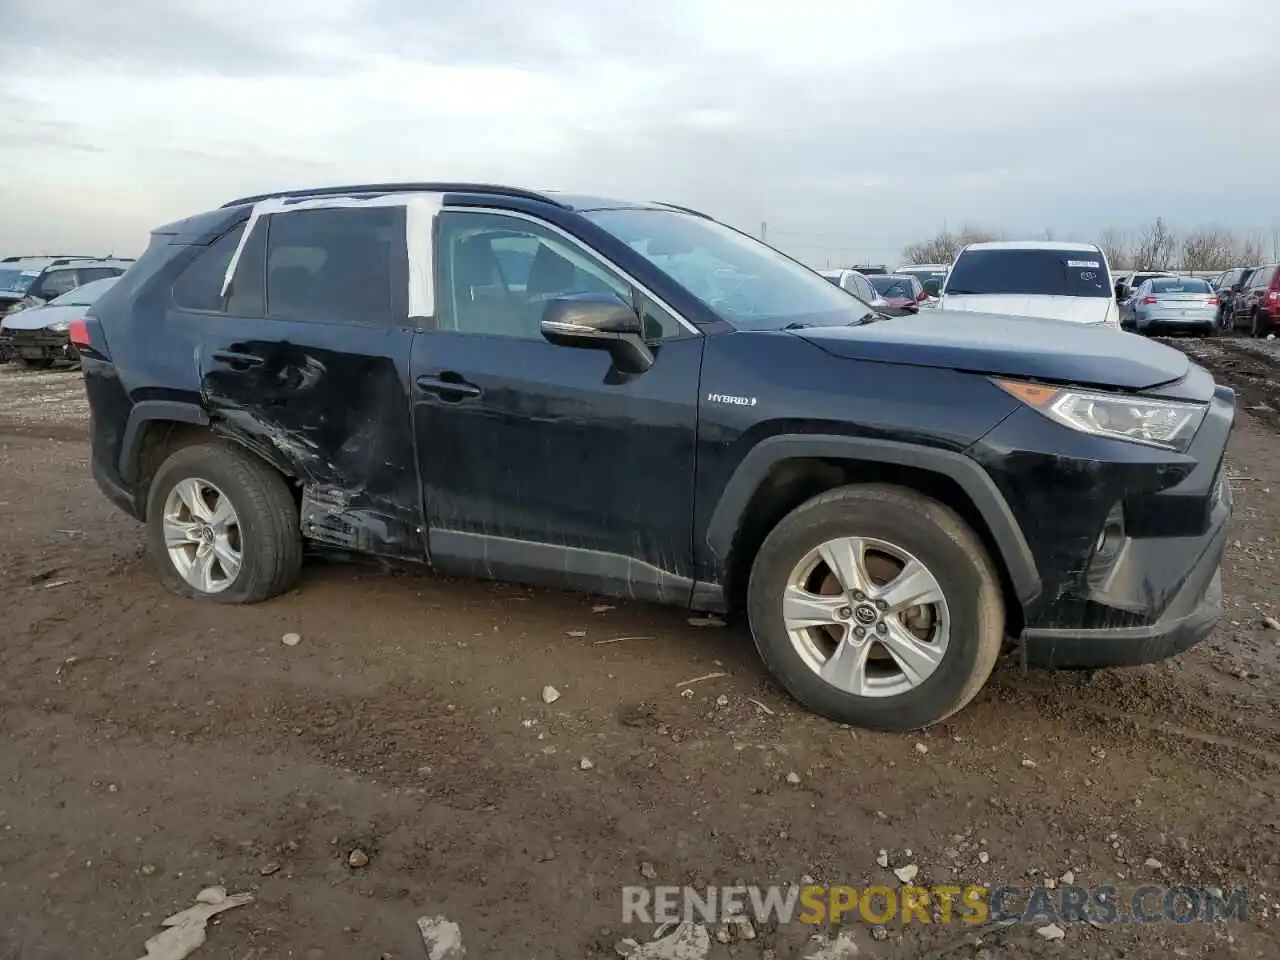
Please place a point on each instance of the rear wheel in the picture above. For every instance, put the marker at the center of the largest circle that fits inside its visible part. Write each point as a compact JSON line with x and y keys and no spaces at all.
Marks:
{"x":37,"y":363}
{"x":1259,"y":327}
{"x":222,"y":525}
{"x":876,"y":606}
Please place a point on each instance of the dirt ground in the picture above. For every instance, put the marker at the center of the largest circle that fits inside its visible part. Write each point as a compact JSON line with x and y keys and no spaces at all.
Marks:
{"x":150,"y":747}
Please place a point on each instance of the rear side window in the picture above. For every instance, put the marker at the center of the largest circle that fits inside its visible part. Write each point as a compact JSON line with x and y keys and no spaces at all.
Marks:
{"x":199,"y":286}
{"x":57,"y":282}
{"x":1064,"y":273}
{"x":1262,"y":278}
{"x":337,"y":265}
{"x":89,"y":274}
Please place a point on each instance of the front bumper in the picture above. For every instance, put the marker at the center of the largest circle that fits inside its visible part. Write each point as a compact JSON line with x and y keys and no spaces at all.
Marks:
{"x":1190,"y":616}
{"x":38,"y":345}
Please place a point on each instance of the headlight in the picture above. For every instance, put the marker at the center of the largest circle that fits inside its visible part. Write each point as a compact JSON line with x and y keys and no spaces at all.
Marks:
{"x":60,"y":327}
{"x":1157,"y":423}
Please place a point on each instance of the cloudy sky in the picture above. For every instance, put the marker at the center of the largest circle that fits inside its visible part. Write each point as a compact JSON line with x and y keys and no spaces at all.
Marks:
{"x":851,"y":128}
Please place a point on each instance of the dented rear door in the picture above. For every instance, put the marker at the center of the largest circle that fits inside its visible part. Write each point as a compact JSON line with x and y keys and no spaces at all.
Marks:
{"x":307,"y":362}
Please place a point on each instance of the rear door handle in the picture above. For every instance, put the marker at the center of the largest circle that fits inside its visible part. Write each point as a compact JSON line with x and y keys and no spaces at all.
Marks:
{"x":243,"y":359}
{"x":449,"y":387}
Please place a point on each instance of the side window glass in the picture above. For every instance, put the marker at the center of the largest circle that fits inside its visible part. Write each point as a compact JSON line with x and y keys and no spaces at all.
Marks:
{"x":89,"y":274}
{"x":57,"y":282}
{"x":199,"y":286}
{"x":335,"y":265}
{"x":495,"y":275}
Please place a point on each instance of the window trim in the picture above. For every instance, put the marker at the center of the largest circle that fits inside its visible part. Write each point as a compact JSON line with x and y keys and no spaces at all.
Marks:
{"x":580,"y":245}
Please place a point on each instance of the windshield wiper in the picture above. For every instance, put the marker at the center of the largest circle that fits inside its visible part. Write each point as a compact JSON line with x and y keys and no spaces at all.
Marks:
{"x":795,"y":325}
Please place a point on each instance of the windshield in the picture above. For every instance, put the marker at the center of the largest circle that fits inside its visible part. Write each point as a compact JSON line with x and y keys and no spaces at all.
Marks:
{"x":84,"y":295}
{"x":1187,"y":285}
{"x":749,"y":284}
{"x":1060,"y":273}
{"x":892,"y":287}
{"x":17,"y":281}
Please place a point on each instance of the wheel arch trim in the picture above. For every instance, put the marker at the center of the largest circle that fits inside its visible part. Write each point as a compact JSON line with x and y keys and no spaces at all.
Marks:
{"x":1015,"y":553}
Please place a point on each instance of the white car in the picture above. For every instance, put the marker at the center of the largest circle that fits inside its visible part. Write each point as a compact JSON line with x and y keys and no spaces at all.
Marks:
{"x":851,"y":281}
{"x":38,"y":335}
{"x":1033,"y":278}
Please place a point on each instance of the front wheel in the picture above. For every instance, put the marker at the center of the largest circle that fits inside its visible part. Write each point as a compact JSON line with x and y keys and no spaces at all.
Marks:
{"x":876,"y":606}
{"x":222,"y":525}
{"x":1260,"y":326}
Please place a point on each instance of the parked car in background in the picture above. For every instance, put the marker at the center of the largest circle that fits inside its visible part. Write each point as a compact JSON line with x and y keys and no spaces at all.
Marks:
{"x":38,"y":336}
{"x":1134,"y":280}
{"x":1033,"y":278}
{"x":924,"y":272}
{"x":1228,"y":285}
{"x":1257,"y":306}
{"x":854,"y":282}
{"x":891,"y":502}
{"x":29,"y":281}
{"x":902,"y":291}
{"x":1172,"y":305}
{"x":869,"y":269}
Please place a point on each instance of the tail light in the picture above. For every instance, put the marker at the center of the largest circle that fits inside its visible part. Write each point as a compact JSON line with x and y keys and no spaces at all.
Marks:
{"x":78,"y":333}
{"x":1214,"y":301}
{"x":1274,"y":295}
{"x":1149,"y":300}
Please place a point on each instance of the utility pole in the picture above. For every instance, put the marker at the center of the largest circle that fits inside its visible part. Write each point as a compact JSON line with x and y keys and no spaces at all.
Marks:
{"x":764,"y":229}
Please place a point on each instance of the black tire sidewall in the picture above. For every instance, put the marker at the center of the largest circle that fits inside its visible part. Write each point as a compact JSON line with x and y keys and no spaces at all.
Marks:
{"x":964,"y":584}
{"x":216,"y":465}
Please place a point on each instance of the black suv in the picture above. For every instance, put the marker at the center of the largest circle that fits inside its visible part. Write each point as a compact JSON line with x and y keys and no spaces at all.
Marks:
{"x":635,"y":400}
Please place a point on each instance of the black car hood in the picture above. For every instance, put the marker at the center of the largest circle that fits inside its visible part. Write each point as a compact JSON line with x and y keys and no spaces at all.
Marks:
{"x":1055,"y":350}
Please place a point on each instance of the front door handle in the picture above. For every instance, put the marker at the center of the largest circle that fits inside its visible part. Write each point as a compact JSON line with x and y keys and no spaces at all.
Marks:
{"x":238,"y":359}
{"x":449,"y":387}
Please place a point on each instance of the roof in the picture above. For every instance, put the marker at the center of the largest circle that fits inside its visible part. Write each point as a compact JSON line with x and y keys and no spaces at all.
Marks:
{"x":1035,"y":245}
{"x":925,"y":266}
{"x":567,"y":201}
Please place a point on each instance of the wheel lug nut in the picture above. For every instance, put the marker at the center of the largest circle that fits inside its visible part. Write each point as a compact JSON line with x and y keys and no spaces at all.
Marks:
{"x":859,"y":632}
{"x":882,"y":605}
{"x":844,"y":613}
{"x":859,"y":595}
{"x":880,"y":627}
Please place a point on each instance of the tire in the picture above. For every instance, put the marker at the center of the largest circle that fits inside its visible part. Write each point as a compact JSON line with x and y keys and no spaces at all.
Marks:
{"x":1259,"y":327}
{"x":266,"y":529}
{"x":37,"y":363}
{"x":927,"y":532}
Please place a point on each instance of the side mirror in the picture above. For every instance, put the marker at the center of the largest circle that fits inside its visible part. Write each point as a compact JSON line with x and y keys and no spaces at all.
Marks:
{"x":932,"y":287}
{"x":597,"y":321}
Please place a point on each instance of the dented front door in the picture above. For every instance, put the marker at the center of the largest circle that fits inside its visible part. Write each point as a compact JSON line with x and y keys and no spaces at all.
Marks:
{"x":309,"y":365}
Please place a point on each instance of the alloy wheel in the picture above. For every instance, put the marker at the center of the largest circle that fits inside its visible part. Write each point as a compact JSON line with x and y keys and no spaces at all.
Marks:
{"x":202,"y":535}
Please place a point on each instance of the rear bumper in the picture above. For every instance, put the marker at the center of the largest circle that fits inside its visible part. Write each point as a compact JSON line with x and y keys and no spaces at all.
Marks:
{"x":116,"y":493}
{"x":1172,"y":322}
{"x":1189,"y":617}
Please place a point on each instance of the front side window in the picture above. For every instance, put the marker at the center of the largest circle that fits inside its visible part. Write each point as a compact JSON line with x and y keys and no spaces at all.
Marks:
{"x":862,"y":287}
{"x":1063,"y":273}
{"x":744,"y":281}
{"x":334,"y":264}
{"x":17,"y":282}
{"x":497,"y":273}
{"x":89,"y":274}
{"x":86,"y":294}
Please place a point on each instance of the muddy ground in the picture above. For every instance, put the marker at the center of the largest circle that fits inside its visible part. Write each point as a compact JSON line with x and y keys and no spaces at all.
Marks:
{"x":150,"y":747}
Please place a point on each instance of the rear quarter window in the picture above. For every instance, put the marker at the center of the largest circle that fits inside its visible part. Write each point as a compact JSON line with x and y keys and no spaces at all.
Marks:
{"x":199,"y":286}
{"x":1065,"y":273}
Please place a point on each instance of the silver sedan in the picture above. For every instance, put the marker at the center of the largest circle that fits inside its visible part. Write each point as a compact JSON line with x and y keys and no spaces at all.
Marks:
{"x":1172,"y":304}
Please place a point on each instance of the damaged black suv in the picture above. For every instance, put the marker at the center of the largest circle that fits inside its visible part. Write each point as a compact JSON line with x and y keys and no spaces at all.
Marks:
{"x":635,"y":400}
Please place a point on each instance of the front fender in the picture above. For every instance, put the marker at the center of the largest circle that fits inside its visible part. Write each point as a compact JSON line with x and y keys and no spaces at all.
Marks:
{"x":1014,"y":552}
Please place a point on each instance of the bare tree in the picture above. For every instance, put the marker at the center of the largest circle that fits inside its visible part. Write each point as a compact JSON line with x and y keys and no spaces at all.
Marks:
{"x":1248,"y":252}
{"x":1156,"y":248}
{"x":944,"y":247}
{"x":1208,"y":248}
{"x":1115,"y":244}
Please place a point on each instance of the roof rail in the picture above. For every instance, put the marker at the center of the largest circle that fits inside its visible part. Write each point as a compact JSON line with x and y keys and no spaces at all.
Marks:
{"x":401,"y":188}
{"x":688,"y":210}
{"x":48,"y":256}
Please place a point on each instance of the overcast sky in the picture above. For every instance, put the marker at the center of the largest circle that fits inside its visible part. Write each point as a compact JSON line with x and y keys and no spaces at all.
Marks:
{"x":851,"y":128}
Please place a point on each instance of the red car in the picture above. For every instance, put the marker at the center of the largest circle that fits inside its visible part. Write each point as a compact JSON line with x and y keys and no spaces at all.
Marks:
{"x":903,"y":292}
